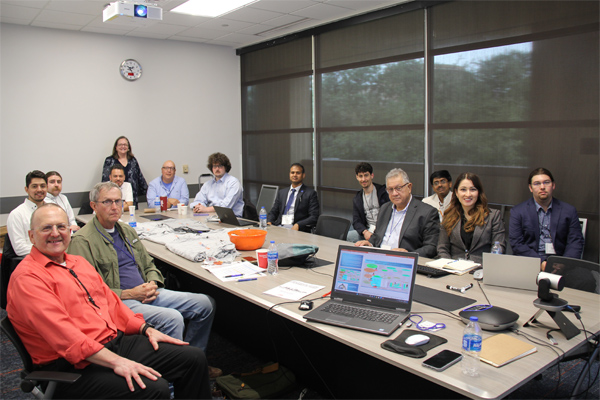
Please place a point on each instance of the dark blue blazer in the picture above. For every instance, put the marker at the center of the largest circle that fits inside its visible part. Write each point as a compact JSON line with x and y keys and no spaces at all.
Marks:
{"x":359,"y":219}
{"x":306,"y":211}
{"x":565,"y":229}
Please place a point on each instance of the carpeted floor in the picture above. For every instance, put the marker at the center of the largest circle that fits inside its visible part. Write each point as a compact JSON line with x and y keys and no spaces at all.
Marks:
{"x":231,"y":358}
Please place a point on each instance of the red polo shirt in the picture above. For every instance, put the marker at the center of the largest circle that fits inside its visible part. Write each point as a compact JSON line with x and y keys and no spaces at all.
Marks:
{"x":51,"y":312}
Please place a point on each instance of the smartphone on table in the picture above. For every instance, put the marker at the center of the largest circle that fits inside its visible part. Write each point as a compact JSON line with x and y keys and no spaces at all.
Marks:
{"x":442,"y":360}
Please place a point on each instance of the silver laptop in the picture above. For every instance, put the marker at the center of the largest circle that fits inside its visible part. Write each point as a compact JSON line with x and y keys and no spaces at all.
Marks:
{"x":372,"y":290}
{"x":516,"y":272}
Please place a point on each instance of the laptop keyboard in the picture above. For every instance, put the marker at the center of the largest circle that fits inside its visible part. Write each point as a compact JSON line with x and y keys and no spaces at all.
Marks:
{"x":425,"y":270}
{"x":362,"y":313}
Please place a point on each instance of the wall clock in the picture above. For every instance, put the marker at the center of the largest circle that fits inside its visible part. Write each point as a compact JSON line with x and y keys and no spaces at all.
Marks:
{"x":131,"y":70}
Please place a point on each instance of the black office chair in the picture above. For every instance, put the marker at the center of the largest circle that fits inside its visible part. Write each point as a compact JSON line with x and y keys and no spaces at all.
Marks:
{"x":31,"y":381}
{"x":249,"y":211}
{"x":267,"y":196}
{"x":333,"y":227}
{"x":577,"y":274}
{"x":10,"y":260}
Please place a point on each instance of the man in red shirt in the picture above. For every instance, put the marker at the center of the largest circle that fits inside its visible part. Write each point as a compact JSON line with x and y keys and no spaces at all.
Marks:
{"x":69,"y":320}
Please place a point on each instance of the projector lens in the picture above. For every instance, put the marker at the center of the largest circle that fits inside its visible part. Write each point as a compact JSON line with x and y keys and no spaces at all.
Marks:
{"x":140,"y":11}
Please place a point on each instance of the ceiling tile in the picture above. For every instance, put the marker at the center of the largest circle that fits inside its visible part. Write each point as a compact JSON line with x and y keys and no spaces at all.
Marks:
{"x":323,"y":12}
{"x":231,"y":25}
{"x":29,"y":3}
{"x":162,"y":29}
{"x":48,"y":24}
{"x":59,"y":17}
{"x":248,"y":14}
{"x":283,"y":20}
{"x":188,"y":39}
{"x":12,"y":11}
{"x":90,"y":7}
{"x":18,"y":21}
{"x":200,"y":32}
{"x":182,"y":19}
{"x":286,"y":6}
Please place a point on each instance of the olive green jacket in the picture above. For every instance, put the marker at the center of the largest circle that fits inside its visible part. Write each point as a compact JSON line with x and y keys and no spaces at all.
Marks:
{"x":94,"y":243}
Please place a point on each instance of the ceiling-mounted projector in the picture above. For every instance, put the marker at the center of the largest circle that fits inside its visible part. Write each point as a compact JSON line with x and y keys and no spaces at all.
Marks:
{"x":126,"y":12}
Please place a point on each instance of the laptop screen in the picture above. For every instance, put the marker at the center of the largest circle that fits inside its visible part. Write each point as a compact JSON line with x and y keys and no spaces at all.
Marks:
{"x":374,"y":274}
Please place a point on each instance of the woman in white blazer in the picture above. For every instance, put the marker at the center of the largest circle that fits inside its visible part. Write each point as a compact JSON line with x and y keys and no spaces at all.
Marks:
{"x":469,"y":228}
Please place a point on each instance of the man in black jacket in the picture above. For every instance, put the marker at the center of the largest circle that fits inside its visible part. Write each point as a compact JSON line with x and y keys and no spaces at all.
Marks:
{"x":296,"y":207}
{"x":366,"y":203}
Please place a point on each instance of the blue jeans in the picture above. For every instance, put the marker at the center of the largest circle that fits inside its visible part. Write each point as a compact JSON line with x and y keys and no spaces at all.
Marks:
{"x":169,"y":309}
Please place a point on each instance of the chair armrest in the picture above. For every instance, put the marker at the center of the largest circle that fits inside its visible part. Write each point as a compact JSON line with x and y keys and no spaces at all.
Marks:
{"x":55,"y":376}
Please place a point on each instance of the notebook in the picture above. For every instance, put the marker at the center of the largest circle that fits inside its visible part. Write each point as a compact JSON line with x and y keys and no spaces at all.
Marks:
{"x":227,"y":216}
{"x":368,"y":281}
{"x":501,"y":349}
{"x":515,"y":272}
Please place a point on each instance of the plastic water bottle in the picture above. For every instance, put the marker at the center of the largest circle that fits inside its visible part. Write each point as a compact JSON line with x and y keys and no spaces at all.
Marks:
{"x":471,"y":347}
{"x":496,"y":248}
{"x":262,"y":217}
{"x":157,"y":204}
{"x":273,"y":258}
{"x":132,"y":221}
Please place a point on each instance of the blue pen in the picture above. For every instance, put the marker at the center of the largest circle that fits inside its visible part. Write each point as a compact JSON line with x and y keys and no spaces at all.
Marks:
{"x":244,"y":280}
{"x":233,"y":276}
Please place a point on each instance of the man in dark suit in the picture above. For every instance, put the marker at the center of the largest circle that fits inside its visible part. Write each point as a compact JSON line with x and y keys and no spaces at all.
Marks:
{"x":405,"y":224}
{"x":544,"y":225}
{"x":296,"y":207}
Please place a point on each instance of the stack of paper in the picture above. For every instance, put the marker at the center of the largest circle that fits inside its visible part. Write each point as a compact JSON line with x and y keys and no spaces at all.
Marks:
{"x":501,"y":349}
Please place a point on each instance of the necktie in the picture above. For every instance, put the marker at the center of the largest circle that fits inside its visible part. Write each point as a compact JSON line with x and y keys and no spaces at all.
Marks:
{"x":290,"y":201}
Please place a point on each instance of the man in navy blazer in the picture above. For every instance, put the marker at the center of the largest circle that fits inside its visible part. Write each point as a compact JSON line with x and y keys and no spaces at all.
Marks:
{"x":297,"y":206}
{"x":544,"y":225}
{"x":405,"y":223}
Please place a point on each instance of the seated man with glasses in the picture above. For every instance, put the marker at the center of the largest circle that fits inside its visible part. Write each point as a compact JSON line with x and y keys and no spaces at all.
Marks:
{"x":441,"y":182}
{"x":543,"y":225}
{"x":405,"y":223}
{"x":223,"y":190}
{"x":170,"y":186}
{"x":117,"y":253}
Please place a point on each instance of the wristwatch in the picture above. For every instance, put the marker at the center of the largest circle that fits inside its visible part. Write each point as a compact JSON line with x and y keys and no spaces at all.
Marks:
{"x":145,"y":328}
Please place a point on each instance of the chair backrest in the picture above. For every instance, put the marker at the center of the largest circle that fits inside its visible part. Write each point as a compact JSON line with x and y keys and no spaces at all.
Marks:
{"x":576,"y":273}
{"x":333,"y":227}
{"x":249,"y":211}
{"x":203,"y":178}
{"x":8,"y":263}
{"x":9,"y":331}
{"x":267,"y":196}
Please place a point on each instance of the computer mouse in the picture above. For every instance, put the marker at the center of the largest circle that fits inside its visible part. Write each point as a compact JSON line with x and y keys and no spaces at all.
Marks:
{"x":478,"y":275}
{"x":416,"y":340}
{"x":306,"y":305}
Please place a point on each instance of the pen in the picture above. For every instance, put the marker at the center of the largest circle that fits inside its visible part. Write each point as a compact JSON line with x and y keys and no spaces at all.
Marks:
{"x":233,"y":276}
{"x":247,"y":279}
{"x":326,"y":294}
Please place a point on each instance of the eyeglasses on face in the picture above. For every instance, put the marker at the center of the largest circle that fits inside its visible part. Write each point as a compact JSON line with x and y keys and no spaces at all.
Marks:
{"x":396,"y":189}
{"x":440,"y":182}
{"x":109,"y":203}
{"x":538,"y":184}
{"x":169,"y":168}
{"x":48,"y":228}
{"x":218,"y":166}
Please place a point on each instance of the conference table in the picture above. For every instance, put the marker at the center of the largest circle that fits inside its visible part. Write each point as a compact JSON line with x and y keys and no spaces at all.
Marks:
{"x":491,"y":383}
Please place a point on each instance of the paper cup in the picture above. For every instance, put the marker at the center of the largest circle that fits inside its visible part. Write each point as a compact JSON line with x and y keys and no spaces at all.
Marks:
{"x":261,"y":256}
{"x":184,"y":210}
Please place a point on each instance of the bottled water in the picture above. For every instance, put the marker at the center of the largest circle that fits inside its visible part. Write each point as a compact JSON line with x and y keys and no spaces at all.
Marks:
{"x":496,"y":248}
{"x":471,"y":347}
{"x":132,"y":221}
{"x":272,"y":257}
{"x":262,"y":217}
{"x":157,"y":204}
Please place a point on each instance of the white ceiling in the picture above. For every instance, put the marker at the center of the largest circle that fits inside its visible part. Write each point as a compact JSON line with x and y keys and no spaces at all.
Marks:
{"x":258,"y":22}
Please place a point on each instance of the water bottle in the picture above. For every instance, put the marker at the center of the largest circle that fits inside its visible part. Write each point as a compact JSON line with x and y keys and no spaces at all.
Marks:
{"x":272,"y":257}
{"x":262,"y":217}
{"x":496,"y":248}
{"x":132,"y":221}
{"x":157,"y":204}
{"x":471,"y":347}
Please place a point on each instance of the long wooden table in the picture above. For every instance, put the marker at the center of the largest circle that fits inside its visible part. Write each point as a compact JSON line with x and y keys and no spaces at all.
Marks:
{"x":492,"y":382}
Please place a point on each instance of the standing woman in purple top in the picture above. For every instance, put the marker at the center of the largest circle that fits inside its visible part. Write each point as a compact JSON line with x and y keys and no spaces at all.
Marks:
{"x":133,"y":174}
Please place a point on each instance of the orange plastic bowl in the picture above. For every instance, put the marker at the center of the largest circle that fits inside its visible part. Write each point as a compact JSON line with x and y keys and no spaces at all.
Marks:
{"x":247,"y":239}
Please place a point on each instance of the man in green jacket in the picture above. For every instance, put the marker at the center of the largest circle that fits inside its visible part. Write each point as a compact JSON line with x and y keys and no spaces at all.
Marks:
{"x":117,"y":253}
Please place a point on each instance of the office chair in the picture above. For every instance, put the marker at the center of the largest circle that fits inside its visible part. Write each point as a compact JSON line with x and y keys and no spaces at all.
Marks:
{"x":9,"y":262}
{"x":267,"y":196}
{"x":31,"y":381}
{"x":202,"y":179}
{"x":333,"y":227}
{"x":249,"y":211}
{"x":577,"y":274}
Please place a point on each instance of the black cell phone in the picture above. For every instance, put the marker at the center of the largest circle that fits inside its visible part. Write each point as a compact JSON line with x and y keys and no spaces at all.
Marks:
{"x":442,"y":360}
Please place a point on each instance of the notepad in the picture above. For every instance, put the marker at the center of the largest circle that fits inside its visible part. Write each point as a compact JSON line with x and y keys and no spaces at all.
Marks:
{"x":501,"y":349}
{"x":453,"y":265}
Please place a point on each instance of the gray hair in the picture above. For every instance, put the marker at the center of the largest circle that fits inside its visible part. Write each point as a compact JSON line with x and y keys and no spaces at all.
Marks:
{"x":397,"y":172}
{"x":98,"y":187}
{"x":45,"y":205}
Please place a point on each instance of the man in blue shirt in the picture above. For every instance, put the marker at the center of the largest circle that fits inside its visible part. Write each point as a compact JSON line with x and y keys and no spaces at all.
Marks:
{"x":223,"y":190}
{"x":169,"y":185}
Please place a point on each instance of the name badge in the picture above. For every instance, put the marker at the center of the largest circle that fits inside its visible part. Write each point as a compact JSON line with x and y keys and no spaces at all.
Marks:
{"x":550,"y":248}
{"x":134,"y":241}
{"x":287,"y":219}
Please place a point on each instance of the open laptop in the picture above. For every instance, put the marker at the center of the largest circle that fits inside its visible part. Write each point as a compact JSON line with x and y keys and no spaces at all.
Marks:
{"x":515,"y":272}
{"x":227,"y":216}
{"x":368,"y":281}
